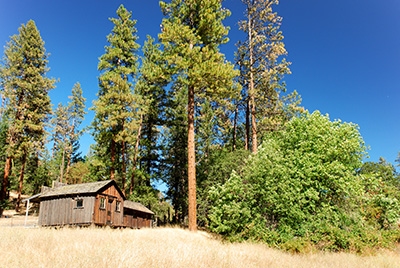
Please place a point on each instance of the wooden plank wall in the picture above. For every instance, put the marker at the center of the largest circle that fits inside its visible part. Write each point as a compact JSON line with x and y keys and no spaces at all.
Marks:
{"x":100,"y":215}
{"x":128,"y":221}
{"x":83,"y":215}
{"x":63,"y":211}
{"x":136,"y":219}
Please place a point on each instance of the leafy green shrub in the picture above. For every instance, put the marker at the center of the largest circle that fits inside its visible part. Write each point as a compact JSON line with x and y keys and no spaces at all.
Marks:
{"x":301,"y":188}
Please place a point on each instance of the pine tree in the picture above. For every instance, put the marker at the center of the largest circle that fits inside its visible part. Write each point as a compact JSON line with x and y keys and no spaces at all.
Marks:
{"x":151,"y":85}
{"x":175,"y":163}
{"x":37,"y":173}
{"x":192,"y":31}
{"x":26,"y":88}
{"x":66,"y":130}
{"x":76,"y":109}
{"x":10,"y":74}
{"x":61,"y":129}
{"x":262,"y":69}
{"x":116,"y":107}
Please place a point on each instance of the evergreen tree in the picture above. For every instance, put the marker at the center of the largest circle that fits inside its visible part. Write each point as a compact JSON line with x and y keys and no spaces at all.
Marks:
{"x":262,"y":69}
{"x":76,"y":110}
{"x":3,"y":157}
{"x":79,"y":172}
{"x":66,"y":131}
{"x":151,"y":85}
{"x":26,"y":86}
{"x":117,"y":107}
{"x":175,"y":162}
{"x":61,"y":130}
{"x":192,"y":31}
{"x":37,"y":173}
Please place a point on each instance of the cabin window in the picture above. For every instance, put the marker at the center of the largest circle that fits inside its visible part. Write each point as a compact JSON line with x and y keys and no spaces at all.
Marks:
{"x":102,"y":203}
{"x":79,"y":203}
{"x":118,"y":206}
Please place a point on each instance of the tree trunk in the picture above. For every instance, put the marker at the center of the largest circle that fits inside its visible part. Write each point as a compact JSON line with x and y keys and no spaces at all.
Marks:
{"x":112,"y":160}
{"x":62,"y":164}
{"x":4,"y":185}
{"x":149,"y":137}
{"x":54,"y":149}
{"x":70,"y":147}
{"x":68,"y":166}
{"x":21,"y":180}
{"x":235,"y":127}
{"x":253,"y":126}
{"x":247,"y":132}
{"x":123,"y":167}
{"x":136,"y":154}
{"x":252,"y":89}
{"x":191,"y":162}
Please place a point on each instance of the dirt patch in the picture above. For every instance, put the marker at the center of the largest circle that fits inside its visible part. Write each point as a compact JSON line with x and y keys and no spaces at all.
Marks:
{"x":11,"y":218}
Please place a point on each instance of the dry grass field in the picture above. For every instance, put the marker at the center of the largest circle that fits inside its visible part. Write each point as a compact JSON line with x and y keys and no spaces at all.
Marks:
{"x":162,"y":247}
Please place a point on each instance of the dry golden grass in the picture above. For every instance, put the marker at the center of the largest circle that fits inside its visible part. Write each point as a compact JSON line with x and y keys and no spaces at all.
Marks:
{"x":162,"y":247}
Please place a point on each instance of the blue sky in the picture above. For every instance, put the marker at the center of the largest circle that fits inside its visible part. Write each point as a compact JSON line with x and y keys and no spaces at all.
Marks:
{"x":345,"y":54}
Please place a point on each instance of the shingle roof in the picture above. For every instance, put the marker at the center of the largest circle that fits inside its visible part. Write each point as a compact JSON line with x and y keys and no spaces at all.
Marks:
{"x":136,"y":206}
{"x":83,"y":188}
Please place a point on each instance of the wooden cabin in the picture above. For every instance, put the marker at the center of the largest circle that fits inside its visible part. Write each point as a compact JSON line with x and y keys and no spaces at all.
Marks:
{"x":99,"y":203}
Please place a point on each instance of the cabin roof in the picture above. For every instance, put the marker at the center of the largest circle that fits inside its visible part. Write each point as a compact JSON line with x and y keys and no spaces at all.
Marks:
{"x":83,"y":188}
{"x":137,"y":206}
{"x":33,"y":198}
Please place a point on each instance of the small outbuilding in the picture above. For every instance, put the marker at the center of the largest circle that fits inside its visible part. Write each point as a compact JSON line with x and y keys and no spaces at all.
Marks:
{"x":136,"y":215}
{"x":100,"y":203}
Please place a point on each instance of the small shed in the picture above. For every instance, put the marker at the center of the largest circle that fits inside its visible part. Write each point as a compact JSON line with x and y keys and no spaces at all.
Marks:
{"x":136,"y":215}
{"x":99,"y":203}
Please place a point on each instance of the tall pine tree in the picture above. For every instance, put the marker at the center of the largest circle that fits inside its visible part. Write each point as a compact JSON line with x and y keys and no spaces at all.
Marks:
{"x":192,"y":32}
{"x":116,"y":107}
{"x":66,"y":130}
{"x":262,"y":69}
{"x":151,"y":85}
{"x":26,"y":86}
{"x":61,"y":128}
{"x":76,"y":109}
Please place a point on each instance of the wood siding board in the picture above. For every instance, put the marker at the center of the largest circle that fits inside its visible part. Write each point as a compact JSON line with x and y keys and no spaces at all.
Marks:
{"x":55,"y":211}
{"x":90,"y":208}
{"x":68,"y":212}
{"x":47,"y":213}
{"x":96,"y":208}
{"x":52,"y":209}
{"x":41,"y":213}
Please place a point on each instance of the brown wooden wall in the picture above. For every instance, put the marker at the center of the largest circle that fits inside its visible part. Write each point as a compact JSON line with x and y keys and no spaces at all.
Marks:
{"x":109,"y":215}
{"x":136,"y":219}
{"x":63,"y":211}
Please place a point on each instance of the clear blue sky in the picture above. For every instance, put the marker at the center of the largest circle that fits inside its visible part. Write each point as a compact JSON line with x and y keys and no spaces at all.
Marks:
{"x":345,"y":54}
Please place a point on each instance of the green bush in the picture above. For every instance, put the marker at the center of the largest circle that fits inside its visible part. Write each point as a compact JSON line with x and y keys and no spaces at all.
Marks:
{"x":302,"y":188}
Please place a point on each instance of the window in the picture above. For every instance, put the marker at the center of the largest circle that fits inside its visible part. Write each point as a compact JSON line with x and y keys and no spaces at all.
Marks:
{"x":118,"y":206}
{"x":79,"y":203}
{"x":102,"y":203}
